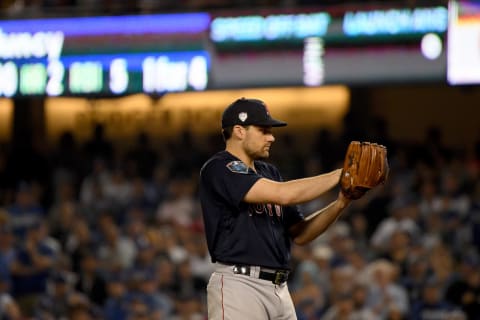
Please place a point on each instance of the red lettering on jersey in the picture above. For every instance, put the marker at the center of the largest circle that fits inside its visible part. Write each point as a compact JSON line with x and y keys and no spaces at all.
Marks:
{"x":266,"y":209}
{"x":257,"y":208}
{"x":278,"y":210}
{"x":269,"y":209}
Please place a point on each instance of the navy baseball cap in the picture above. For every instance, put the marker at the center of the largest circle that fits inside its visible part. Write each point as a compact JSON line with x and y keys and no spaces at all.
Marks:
{"x":249,"y":112}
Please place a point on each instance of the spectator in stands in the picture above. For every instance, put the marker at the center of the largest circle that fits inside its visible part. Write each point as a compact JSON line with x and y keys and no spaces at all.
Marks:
{"x":442,"y":267}
{"x":385,"y":295}
{"x":359,"y":232}
{"x":115,"y":250}
{"x":465,"y":291}
{"x":189,"y":307}
{"x":140,"y":205}
{"x":117,"y":190}
{"x":165,"y":271}
{"x":200,"y":261}
{"x":63,"y":218}
{"x":360,"y":296}
{"x":342,"y":281}
{"x":418,"y":270}
{"x":26,"y":211}
{"x":432,"y":305}
{"x":399,"y":249}
{"x":82,"y":239}
{"x":342,"y":307}
{"x":7,"y":247}
{"x":161,"y":306}
{"x":179,"y":205}
{"x":308,"y":294}
{"x":115,"y":307}
{"x":90,"y":281}
{"x":156,"y":189}
{"x":9,"y":308}
{"x":186,"y":284}
{"x":56,"y":302}
{"x":31,"y":268}
{"x":93,"y":199}
{"x":401,"y":219}
{"x":429,"y":202}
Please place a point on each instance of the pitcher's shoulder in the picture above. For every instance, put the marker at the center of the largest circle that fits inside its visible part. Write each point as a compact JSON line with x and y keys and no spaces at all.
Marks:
{"x":220,"y":159}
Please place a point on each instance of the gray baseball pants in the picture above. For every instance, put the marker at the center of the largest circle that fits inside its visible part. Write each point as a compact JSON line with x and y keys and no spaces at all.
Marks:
{"x":233,"y":296}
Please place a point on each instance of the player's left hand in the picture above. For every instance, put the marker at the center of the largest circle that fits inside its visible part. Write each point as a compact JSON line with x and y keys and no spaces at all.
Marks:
{"x":365,"y":167}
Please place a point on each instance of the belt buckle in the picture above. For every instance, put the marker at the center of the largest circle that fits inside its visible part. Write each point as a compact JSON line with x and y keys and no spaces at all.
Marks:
{"x":280,"y":277}
{"x":241,"y":269}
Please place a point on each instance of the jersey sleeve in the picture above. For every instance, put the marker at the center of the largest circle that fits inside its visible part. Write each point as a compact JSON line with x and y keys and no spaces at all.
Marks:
{"x":231,"y":183}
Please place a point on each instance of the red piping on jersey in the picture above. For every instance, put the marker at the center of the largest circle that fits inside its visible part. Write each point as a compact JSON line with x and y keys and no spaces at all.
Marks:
{"x":223,"y":308}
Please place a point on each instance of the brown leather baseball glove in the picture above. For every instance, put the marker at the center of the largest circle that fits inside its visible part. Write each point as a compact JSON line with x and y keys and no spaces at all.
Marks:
{"x":365,"y":167}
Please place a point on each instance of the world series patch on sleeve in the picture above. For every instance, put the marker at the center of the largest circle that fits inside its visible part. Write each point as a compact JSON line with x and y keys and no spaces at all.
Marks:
{"x":365,"y":167}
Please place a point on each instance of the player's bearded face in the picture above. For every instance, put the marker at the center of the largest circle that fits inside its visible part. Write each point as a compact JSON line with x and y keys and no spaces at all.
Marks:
{"x":258,"y":142}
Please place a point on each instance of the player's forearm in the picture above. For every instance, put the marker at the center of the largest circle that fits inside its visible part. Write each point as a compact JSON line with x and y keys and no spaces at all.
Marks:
{"x":306,"y":189}
{"x":292,"y":192}
{"x":318,"y":222}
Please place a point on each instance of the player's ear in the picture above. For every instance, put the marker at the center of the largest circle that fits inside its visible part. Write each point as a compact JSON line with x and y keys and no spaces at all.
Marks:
{"x":239,"y":131}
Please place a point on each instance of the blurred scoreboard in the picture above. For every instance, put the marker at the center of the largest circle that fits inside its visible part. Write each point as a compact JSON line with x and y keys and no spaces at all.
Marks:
{"x":103,"y":55}
{"x":349,"y":45}
{"x":154,"y":54}
{"x":464,"y":43}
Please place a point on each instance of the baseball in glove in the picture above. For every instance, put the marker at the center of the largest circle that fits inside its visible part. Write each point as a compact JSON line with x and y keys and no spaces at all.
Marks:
{"x":365,"y":167}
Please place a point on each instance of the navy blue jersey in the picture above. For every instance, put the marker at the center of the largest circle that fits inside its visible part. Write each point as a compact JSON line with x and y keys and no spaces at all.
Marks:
{"x":239,"y":232}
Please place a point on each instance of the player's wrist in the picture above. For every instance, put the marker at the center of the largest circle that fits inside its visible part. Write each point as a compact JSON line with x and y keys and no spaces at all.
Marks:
{"x":342,"y":201}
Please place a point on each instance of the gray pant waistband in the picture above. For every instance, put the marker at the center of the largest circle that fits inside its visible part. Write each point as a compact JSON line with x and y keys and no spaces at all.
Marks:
{"x":276,"y":276}
{"x":228,"y":268}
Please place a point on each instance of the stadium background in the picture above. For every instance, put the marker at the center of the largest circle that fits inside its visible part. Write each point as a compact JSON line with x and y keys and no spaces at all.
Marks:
{"x":99,"y":211}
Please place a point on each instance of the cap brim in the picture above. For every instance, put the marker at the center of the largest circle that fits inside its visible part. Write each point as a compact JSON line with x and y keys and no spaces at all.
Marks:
{"x":266,"y":123}
{"x":272,"y":123}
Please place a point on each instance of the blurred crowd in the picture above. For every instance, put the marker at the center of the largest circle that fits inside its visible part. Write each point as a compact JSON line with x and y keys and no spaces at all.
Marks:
{"x":92,"y":231}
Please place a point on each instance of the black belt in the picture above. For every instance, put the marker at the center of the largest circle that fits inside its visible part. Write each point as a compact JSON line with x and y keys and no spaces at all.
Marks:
{"x":275,"y":276}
